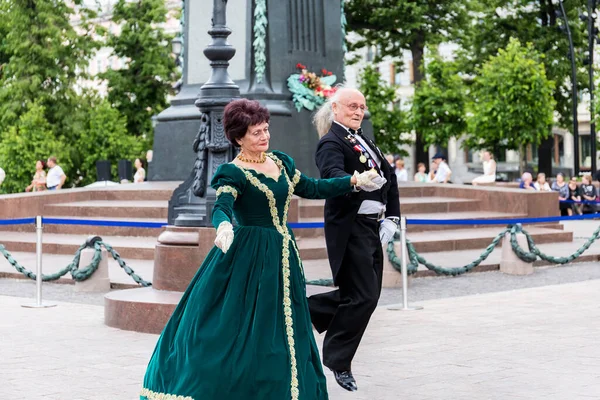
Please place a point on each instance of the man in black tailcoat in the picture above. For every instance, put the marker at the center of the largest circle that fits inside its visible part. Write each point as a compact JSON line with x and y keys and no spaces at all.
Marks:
{"x":356,"y":226}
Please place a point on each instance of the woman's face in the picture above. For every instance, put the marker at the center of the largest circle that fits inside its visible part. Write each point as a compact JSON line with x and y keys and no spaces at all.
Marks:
{"x":541,"y":179}
{"x":585,"y":180}
{"x":422,"y":169}
{"x":138,"y":163}
{"x":572,"y":184}
{"x":486,"y":156}
{"x":560,"y":178}
{"x":256,"y":139}
{"x":39,"y":165}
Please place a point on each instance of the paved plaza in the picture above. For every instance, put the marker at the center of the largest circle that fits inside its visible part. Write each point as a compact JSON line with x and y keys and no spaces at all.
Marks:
{"x":534,"y":343}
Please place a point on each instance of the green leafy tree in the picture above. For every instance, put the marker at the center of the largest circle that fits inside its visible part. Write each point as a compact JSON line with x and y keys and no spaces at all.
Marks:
{"x":105,"y":138}
{"x":393,"y":26}
{"x":438,"y":106}
{"x":389,"y":122}
{"x":44,"y":56}
{"x":139,"y":91}
{"x":513,"y":101}
{"x":535,"y":22}
{"x":30,"y":139}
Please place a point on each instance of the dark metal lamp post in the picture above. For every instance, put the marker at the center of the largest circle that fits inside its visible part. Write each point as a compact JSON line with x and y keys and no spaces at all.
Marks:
{"x":192,"y":202}
{"x":592,"y":32}
{"x":563,"y":14}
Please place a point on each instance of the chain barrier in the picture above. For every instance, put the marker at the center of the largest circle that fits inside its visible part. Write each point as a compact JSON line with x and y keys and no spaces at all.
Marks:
{"x":78,"y":274}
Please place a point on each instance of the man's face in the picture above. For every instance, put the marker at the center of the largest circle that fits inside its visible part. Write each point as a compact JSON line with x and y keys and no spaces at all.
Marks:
{"x":50,"y":163}
{"x":350,"y":110}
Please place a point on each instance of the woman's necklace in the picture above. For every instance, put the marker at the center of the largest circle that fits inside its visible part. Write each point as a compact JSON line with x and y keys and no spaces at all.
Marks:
{"x":261,"y":160}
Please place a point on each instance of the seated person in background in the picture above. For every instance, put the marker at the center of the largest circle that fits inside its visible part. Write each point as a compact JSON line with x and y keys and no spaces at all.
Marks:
{"x":432,"y":172}
{"x":401,"y":173}
{"x":443,"y":172}
{"x":574,"y":195}
{"x":562,"y":188}
{"x":588,"y":193}
{"x":540,"y":184}
{"x":526,"y":181}
{"x":421,"y":176}
{"x":489,"y":170}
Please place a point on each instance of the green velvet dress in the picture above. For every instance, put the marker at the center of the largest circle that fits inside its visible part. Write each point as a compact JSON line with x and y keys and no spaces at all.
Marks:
{"x":242,"y":329}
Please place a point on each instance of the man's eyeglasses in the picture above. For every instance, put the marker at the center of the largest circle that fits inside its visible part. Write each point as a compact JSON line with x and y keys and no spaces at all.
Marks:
{"x":354,"y":107}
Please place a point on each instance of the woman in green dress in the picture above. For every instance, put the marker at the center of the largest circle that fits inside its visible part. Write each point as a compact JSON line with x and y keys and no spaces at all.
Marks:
{"x":242,"y":329}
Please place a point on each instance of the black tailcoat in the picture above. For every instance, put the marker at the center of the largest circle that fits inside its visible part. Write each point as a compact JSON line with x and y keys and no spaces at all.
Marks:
{"x":336,"y":157}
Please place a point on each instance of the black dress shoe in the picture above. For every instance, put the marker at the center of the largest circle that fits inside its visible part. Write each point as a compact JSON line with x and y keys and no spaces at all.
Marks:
{"x":345,"y":380}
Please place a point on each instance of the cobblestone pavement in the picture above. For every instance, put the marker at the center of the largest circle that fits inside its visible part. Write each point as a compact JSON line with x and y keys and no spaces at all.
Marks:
{"x":534,"y":343}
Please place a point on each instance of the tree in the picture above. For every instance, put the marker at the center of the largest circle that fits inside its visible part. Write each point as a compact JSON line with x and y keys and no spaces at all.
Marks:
{"x":30,"y":139}
{"x":393,"y":26}
{"x":438,"y":107}
{"x":389,"y":122}
{"x":139,"y":91}
{"x":513,"y":101}
{"x":44,"y":56}
{"x":105,"y":138}
{"x":536,"y":22}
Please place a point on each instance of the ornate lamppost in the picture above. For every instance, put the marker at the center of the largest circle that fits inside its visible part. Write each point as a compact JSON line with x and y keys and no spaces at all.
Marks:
{"x":192,"y":202}
{"x":566,"y":28}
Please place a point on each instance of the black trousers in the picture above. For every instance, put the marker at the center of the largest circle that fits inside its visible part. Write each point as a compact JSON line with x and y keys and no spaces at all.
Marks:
{"x":344,"y":313}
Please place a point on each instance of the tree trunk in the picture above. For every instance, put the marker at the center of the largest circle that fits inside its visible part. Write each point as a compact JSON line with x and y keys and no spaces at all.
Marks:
{"x":417,"y":49}
{"x":548,"y":19}
{"x":522,"y":160}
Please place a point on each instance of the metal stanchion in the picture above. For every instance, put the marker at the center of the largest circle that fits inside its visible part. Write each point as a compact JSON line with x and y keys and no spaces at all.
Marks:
{"x":404,"y":267}
{"x":39,"y":227}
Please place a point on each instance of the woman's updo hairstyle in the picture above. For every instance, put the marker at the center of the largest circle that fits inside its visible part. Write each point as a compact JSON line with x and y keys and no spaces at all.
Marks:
{"x":241,"y":114}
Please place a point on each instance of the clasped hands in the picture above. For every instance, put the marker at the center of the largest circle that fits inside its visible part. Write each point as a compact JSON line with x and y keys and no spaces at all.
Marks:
{"x":369,"y":180}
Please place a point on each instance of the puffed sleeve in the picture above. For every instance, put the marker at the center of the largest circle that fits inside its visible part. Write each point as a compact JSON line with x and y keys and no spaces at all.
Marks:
{"x":310,"y":188}
{"x":229,"y":183}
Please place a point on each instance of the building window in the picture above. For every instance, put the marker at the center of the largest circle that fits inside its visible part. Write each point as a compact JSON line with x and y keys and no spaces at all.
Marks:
{"x":370,"y":53}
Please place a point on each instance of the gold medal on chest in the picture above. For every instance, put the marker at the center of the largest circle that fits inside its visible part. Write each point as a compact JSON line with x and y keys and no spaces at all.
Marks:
{"x":362,"y":159}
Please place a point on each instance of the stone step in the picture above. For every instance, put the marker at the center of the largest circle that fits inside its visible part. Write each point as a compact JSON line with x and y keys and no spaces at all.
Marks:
{"x":109,"y":209}
{"x":467,"y":215}
{"x":138,"y":248}
{"x":93,"y":230}
{"x":152,"y":191}
{"x":314,"y":208}
{"x":314,"y":248}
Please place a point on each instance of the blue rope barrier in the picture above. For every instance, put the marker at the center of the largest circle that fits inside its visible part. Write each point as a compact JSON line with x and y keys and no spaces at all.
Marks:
{"x":130,"y":224}
{"x":508,"y":221}
{"x":20,"y":221}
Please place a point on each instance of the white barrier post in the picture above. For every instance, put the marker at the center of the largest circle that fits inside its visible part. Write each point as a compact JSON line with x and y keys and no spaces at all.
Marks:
{"x":404,"y":267}
{"x":39,"y":228}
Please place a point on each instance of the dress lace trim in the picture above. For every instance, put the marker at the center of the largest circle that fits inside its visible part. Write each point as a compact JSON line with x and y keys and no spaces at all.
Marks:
{"x":281,"y":226}
{"x":151,"y":395}
{"x":228,"y":189}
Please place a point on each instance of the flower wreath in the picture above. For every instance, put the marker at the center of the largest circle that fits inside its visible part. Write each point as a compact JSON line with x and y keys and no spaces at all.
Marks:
{"x":309,"y":90}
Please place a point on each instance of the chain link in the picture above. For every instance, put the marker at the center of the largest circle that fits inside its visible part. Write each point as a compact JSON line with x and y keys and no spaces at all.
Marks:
{"x":78,"y":274}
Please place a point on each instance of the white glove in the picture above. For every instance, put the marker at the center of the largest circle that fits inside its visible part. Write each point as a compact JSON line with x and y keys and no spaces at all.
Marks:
{"x":387,"y":229}
{"x":369,"y":181}
{"x":224,"y":236}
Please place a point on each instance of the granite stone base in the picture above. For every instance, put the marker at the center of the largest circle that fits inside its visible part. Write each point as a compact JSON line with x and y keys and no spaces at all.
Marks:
{"x":179,"y":253}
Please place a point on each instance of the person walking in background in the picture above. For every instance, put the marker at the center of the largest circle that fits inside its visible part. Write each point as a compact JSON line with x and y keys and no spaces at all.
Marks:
{"x":38,"y":183}
{"x":421,"y":176}
{"x":56,"y":176}
{"x":489,"y":170}
{"x":401,"y":173}
{"x":443,"y":172}
{"x":140,"y":172}
{"x":540,"y":184}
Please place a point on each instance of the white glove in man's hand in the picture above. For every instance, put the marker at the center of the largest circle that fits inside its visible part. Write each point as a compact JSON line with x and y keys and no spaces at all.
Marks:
{"x":224,"y":236}
{"x":369,"y":181}
{"x":387,"y":229}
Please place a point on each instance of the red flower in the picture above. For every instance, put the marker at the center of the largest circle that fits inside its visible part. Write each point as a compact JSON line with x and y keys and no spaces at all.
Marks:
{"x":330,"y":73}
{"x":324,"y":71}
{"x":300,"y":66}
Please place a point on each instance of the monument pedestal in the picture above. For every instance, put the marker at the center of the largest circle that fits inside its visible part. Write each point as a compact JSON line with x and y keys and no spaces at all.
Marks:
{"x":179,"y":253}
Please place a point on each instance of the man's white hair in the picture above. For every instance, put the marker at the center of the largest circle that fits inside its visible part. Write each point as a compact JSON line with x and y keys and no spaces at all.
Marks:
{"x":324,"y":117}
